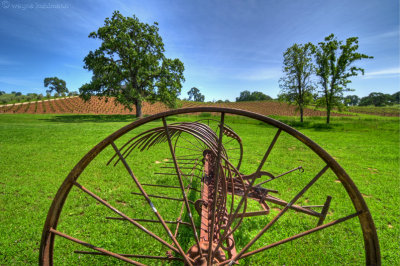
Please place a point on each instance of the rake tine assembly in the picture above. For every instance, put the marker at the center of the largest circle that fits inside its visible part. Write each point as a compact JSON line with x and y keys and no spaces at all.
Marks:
{"x":201,"y":165}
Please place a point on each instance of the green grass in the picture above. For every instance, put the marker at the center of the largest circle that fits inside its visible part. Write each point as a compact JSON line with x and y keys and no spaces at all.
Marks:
{"x":38,"y":151}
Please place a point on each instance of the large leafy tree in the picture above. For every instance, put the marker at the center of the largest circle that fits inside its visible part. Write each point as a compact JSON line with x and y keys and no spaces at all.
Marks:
{"x":334,"y":61}
{"x":55,"y":84}
{"x":252,"y":96}
{"x":130,"y":65}
{"x":396,"y":98}
{"x":296,"y":86}
{"x":376,"y":99}
{"x":195,"y":95}
{"x":351,"y":100}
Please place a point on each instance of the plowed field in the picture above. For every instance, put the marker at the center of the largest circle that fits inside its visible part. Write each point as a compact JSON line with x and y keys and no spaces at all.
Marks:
{"x":75,"y":105}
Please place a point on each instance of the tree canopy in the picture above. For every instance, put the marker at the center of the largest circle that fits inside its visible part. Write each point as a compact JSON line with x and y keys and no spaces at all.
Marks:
{"x":252,"y":96}
{"x":130,"y":65}
{"x":296,"y":86}
{"x":55,"y":84}
{"x":334,"y":60}
{"x":380,"y":99}
{"x":195,"y":95}
{"x":351,"y":100}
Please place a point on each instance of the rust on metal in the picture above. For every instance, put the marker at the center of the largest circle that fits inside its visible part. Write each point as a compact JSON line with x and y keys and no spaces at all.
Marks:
{"x":211,"y":192}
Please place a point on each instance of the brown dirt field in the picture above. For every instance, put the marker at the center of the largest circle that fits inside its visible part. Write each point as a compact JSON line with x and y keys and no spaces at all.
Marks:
{"x":96,"y":105}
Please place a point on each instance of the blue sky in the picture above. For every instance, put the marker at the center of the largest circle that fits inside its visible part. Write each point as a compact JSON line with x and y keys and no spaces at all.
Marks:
{"x":227,"y":46}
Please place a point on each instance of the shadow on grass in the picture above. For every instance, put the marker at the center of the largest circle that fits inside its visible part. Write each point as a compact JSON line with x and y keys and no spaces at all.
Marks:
{"x":95,"y":118}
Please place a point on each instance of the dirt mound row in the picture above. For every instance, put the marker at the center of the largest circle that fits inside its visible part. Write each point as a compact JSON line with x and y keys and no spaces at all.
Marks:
{"x":76,"y":105}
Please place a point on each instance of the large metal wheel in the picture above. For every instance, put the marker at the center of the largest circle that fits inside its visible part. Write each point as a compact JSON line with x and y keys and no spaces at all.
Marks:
{"x":198,"y":192}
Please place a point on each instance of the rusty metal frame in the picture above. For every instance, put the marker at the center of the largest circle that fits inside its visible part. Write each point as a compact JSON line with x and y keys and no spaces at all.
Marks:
{"x":371,"y":244}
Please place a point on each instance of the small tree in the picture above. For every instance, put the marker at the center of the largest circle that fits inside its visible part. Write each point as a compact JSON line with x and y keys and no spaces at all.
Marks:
{"x":296,"y":86}
{"x":195,"y":95}
{"x":130,"y":65}
{"x":334,"y":68}
{"x":55,"y":84}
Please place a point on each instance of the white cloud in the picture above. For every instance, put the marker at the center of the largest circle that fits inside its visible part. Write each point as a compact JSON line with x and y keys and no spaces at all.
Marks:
{"x":380,"y":36}
{"x":383,"y":73}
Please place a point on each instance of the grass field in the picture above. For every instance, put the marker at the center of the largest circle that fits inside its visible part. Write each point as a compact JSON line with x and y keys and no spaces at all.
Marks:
{"x":38,"y":151}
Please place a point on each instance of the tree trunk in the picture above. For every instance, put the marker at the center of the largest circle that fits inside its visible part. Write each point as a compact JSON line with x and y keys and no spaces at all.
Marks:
{"x":138,"y":105}
{"x":328,"y":114}
{"x":301,"y":114}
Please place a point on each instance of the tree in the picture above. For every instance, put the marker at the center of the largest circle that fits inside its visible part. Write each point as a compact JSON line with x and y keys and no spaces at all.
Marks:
{"x":55,"y":84}
{"x":195,"y":95}
{"x":296,"y":86}
{"x":396,"y":98}
{"x":130,"y":65}
{"x":252,"y":96}
{"x":376,"y":99}
{"x":351,"y":100}
{"x":334,"y":68}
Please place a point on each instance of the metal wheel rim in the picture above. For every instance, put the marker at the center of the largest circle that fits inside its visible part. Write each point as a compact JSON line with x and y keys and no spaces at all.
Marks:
{"x":371,"y":244}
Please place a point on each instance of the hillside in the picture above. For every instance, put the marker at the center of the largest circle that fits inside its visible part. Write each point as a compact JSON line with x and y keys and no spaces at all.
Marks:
{"x":75,"y":105}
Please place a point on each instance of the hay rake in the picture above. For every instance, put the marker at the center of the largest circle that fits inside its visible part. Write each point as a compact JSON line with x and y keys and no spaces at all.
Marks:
{"x":215,"y":194}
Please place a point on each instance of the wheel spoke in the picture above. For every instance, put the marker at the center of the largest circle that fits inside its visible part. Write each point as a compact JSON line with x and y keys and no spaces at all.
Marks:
{"x":108,"y":205}
{"x":246,"y":192}
{"x":104,"y":251}
{"x":279,"y":215}
{"x":315,"y":229}
{"x":158,"y":215}
{"x":128,"y":255}
{"x":178,"y":172}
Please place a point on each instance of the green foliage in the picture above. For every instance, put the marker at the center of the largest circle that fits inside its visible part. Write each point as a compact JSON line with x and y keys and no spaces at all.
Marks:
{"x":334,"y":68}
{"x":28,"y":184}
{"x":55,"y":84}
{"x":73,"y":93}
{"x":18,"y":97}
{"x":396,"y":98}
{"x":130,"y":64}
{"x":351,"y":100}
{"x":296,"y":86}
{"x":195,"y":95}
{"x":252,"y":96}
{"x":380,"y":99}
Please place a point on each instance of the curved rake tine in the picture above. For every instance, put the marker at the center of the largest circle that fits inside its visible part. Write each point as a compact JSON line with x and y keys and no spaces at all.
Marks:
{"x":242,"y":200}
{"x":275,"y":177}
{"x":216,"y":182}
{"x":192,"y":142}
{"x":181,"y":183}
{"x":158,"y":215}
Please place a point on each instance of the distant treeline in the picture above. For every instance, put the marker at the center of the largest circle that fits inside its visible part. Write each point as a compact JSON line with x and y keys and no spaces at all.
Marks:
{"x":17,"y":97}
{"x":374,"y":98}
